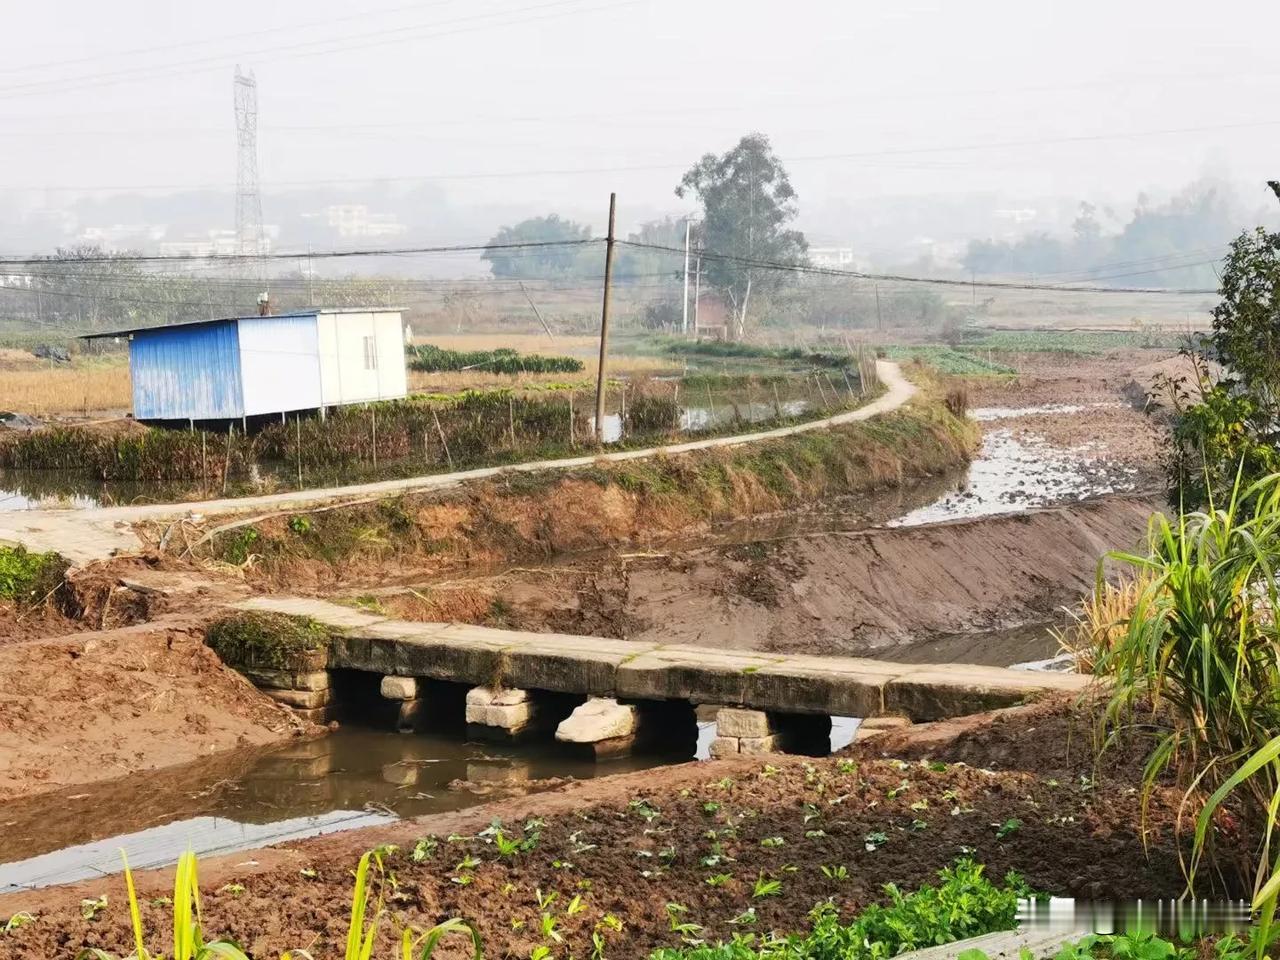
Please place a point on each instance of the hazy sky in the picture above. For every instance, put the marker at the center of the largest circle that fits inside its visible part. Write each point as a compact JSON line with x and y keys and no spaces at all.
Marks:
{"x":861,"y":99}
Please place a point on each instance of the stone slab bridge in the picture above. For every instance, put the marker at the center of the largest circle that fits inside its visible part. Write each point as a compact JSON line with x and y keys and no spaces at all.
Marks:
{"x":609,"y":695}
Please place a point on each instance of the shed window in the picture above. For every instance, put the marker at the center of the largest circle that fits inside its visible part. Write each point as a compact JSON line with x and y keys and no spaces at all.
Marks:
{"x":370,"y":354}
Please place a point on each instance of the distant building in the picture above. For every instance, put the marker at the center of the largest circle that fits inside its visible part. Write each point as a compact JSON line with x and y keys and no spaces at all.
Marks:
{"x":357,"y":220}
{"x":239,"y":368}
{"x":833,"y":258}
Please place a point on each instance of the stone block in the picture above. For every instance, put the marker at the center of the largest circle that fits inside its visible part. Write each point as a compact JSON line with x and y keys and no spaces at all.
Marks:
{"x":735,"y":722}
{"x":843,"y":688}
{"x":399,"y":688}
{"x":754,"y":745}
{"x":651,"y":676}
{"x":884,"y":723}
{"x":722,"y":747}
{"x":511,"y":710}
{"x":938,"y":692}
{"x":288,"y":679}
{"x":598,"y":720}
{"x":320,"y":715}
{"x":562,"y":668}
{"x":302,"y":699}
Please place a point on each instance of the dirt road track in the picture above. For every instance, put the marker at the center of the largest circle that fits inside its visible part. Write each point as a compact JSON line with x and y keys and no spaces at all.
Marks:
{"x":83,"y":536}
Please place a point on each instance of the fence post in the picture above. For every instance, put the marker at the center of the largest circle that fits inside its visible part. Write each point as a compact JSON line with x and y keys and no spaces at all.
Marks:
{"x":443,"y":442}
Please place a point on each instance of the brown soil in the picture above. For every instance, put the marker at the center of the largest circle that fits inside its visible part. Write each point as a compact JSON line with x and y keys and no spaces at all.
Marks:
{"x":93,"y":706}
{"x":630,"y":845}
{"x":840,"y":592}
{"x":1058,"y":736}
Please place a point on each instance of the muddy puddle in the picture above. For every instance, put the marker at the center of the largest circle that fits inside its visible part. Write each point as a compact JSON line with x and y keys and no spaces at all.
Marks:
{"x":354,"y":777}
{"x":1014,"y":473}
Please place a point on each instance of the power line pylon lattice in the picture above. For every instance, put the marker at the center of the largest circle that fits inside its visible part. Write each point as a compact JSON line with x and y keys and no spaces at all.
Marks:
{"x":249,"y":234}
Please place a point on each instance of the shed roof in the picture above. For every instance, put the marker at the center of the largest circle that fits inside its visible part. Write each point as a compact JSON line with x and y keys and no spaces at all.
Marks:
{"x":271,"y":316}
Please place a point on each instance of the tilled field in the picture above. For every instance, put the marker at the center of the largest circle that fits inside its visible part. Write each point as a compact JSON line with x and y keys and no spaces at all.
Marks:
{"x":706,"y":837}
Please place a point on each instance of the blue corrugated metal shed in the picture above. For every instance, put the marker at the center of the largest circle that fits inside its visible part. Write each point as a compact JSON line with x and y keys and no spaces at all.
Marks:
{"x":261,"y":365}
{"x":187,"y":372}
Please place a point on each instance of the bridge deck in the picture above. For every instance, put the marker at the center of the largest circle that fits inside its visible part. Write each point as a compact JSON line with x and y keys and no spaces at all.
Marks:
{"x":630,"y":670}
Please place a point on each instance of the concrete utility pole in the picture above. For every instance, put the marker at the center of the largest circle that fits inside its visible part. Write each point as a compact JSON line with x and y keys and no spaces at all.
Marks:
{"x":697,"y":293}
{"x":684,"y":303}
{"x":604,"y":318}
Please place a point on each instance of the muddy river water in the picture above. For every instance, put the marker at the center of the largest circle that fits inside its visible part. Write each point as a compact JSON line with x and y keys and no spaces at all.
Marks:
{"x":358,"y":776}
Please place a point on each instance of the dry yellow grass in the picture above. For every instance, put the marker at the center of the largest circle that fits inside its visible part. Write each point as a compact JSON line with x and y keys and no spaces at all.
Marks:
{"x":43,"y":389}
{"x":47,"y":390}
{"x":1101,"y":620}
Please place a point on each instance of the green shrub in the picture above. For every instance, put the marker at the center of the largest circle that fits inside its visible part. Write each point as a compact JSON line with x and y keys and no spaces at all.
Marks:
{"x":267,"y":640}
{"x":965,"y":904}
{"x":27,"y":578}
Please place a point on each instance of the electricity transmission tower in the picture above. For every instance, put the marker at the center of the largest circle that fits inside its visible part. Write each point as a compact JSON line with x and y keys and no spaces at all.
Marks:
{"x":249,"y":238}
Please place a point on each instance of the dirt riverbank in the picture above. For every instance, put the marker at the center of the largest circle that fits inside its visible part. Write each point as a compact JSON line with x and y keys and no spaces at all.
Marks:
{"x":836,"y":593}
{"x":97,"y":705}
{"x":628,"y":846}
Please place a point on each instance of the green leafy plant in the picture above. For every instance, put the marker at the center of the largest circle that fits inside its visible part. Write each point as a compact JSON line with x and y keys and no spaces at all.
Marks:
{"x":1010,"y":826}
{"x":765,"y":887}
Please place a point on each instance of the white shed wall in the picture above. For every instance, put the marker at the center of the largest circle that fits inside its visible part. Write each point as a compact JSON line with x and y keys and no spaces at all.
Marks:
{"x":279,"y":364}
{"x":392,"y":379}
{"x":361,"y":357}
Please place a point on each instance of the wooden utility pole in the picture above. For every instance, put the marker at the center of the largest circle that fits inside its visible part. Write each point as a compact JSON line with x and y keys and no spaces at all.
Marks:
{"x":604,"y":318}
{"x":879,"y":321}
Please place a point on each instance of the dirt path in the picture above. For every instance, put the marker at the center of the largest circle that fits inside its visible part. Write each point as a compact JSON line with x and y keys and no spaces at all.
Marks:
{"x":86,"y":535}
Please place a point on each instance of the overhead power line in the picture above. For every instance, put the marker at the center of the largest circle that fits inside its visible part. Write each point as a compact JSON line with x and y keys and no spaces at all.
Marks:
{"x":301,"y":255}
{"x":43,"y":266}
{"x":862,"y":156}
{"x":904,"y":278}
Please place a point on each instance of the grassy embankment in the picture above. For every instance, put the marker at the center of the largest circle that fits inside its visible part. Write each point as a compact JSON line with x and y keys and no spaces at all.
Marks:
{"x":608,"y":503}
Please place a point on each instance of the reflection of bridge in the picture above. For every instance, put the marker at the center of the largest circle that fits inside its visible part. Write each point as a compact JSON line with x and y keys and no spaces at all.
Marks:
{"x":621,"y":679}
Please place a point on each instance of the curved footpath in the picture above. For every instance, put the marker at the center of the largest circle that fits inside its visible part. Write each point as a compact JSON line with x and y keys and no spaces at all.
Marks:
{"x":83,"y":536}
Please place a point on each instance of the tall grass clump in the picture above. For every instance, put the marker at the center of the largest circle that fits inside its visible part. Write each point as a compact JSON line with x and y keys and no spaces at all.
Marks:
{"x":146,"y":454}
{"x":461,"y":430}
{"x":432,"y":359}
{"x":1201,"y":652}
{"x":367,"y":911}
